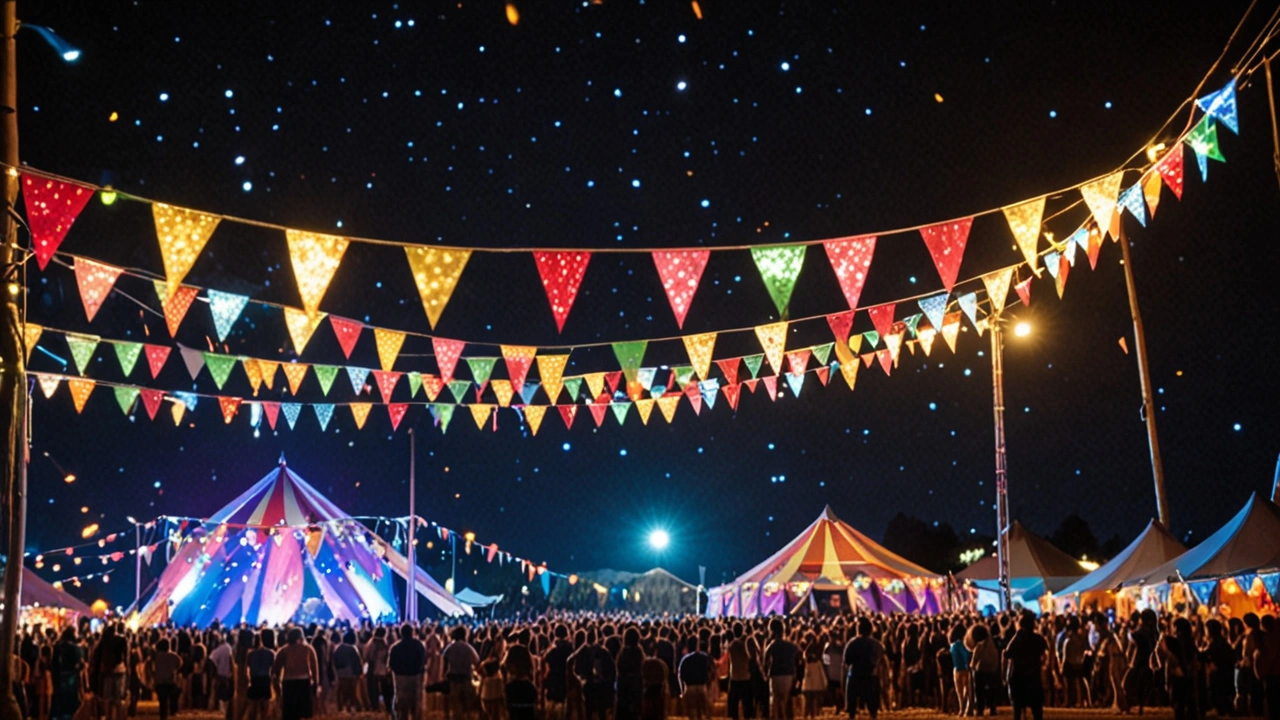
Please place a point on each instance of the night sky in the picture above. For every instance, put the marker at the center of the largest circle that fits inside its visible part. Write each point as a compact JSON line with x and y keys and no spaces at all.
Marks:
{"x":631,"y":124}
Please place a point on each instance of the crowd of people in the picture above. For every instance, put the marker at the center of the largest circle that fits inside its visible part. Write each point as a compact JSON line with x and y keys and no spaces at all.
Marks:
{"x":621,"y":667}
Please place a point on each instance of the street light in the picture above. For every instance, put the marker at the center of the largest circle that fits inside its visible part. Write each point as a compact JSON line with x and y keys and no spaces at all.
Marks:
{"x":68,"y":52}
{"x":659,"y":539}
{"x":1021,"y":329}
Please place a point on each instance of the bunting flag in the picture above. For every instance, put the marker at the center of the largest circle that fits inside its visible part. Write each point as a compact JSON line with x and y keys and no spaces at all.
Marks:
{"x":458,"y":389}
{"x":680,"y":272}
{"x":291,"y":411}
{"x":127,"y":353}
{"x":822,"y":352}
{"x":1151,"y":191}
{"x":533,"y":414}
{"x":1170,"y":169}
{"x":595,"y":384}
{"x":386,"y":382}
{"x":667,"y":404}
{"x":480,"y":413}
{"x":82,"y":347}
{"x":934,"y":307}
{"x":849,"y":371}
{"x":771,"y":387}
{"x":326,"y":375}
{"x":893,"y":341}
{"x":1025,"y":220}
{"x":1092,"y":244}
{"x":551,"y":371}
{"x":795,"y":382}
{"x":151,"y":400}
{"x":620,"y":411}
{"x":700,"y":348}
{"x":913,"y":323}
{"x":442,"y":414}
{"x":630,"y":355}
{"x":231,"y":405}
{"x":1221,"y":106}
{"x":951,"y":328}
{"x":969,"y":304}
{"x":415,"y":383}
{"x":396,"y":411}
{"x":841,"y":324}
{"x":1134,"y":201}
{"x":779,"y":267}
{"x":572,"y":384}
{"x":294,"y":373}
{"x":1101,"y":196}
{"x":729,"y":368}
{"x":52,"y":207}
{"x":886,"y":361}
{"x":436,"y":271}
{"x":946,"y":245}
{"x":226,"y":309}
{"x":1024,"y":292}
{"x":561,"y":274}
{"x":753,"y":362}
{"x":850,"y":257}
{"x":695,"y":397}
{"x":389,"y":343}
{"x":176,"y":410}
{"x":358,"y":377}
{"x":80,"y":389}
{"x":997,"y":284}
{"x":481,"y":370}
{"x":1060,"y":278}
{"x":49,"y":384}
{"x":360,"y":413}
{"x":927,"y":336}
{"x":731,"y":393}
{"x":882,"y":319}
{"x":347,"y":332}
{"x":1203,"y":139}
{"x":301,"y":327}
{"x":567,"y":414}
{"x":156,"y":357}
{"x":773,"y":340}
{"x":447,"y":354}
{"x":30,"y":337}
{"x":95,"y":281}
{"x":272,"y":411}
{"x":432,"y":386}
{"x":175,"y":304}
{"x":193,"y":359}
{"x":503,"y":390}
{"x":598,"y":408}
{"x":219,"y":367}
{"x":798,"y":361}
{"x":315,"y":259}
{"x":182,"y":234}
{"x":519,"y":359}
{"x":644,"y":407}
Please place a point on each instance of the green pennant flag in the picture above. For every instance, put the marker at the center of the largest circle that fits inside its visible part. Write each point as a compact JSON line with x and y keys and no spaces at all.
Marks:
{"x":443,"y":413}
{"x":779,"y":267}
{"x":871,"y":337}
{"x":220,"y":367}
{"x":913,"y":323}
{"x":82,"y":347}
{"x":684,"y":375}
{"x":573,"y":384}
{"x":822,"y":352}
{"x":125,"y":396}
{"x":325,"y":374}
{"x":753,"y":363}
{"x":620,"y":410}
{"x":481,"y":369}
{"x":459,"y":388}
{"x":630,"y":355}
{"x":127,"y":353}
{"x":415,"y":383}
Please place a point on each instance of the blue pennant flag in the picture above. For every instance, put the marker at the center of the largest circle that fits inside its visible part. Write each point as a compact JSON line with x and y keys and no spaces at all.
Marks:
{"x":796,"y":381}
{"x":1134,"y":201}
{"x":1221,"y":105}
{"x":226,"y":309}
{"x":935,"y":308}
{"x":291,"y":411}
{"x":324,"y":412}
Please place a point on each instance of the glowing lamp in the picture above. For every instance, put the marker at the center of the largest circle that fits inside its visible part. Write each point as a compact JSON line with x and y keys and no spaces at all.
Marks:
{"x":659,"y":539}
{"x":108,"y":195}
{"x":57,"y":42}
{"x":1022,"y":329}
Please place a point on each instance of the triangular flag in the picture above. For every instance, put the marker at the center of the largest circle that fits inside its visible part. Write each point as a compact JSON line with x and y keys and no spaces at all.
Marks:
{"x":573,"y":385}
{"x":432,"y":386}
{"x":229,"y":406}
{"x":1024,"y":221}
{"x":386,"y":382}
{"x":771,"y":386}
{"x":396,"y":412}
{"x":753,"y":364}
{"x":360,"y":412}
{"x":630,"y":355}
{"x":80,"y":389}
{"x":435,"y":272}
{"x":533,"y":415}
{"x":315,"y":259}
{"x":127,"y":353}
{"x":567,"y":414}
{"x":82,"y":347}
{"x":1170,"y":168}
{"x":683,"y":375}
{"x":226,"y":309}
{"x":841,"y":324}
{"x":849,"y":371}
{"x":680,"y":272}
{"x":182,"y":234}
{"x":519,"y":359}
{"x":389,"y":343}
{"x":620,"y":411}
{"x":893,"y":341}
{"x":667,"y":404}
{"x":95,"y":281}
{"x":156,"y":357}
{"x":1151,"y":191}
{"x":291,"y":411}
{"x":824,"y":374}
{"x":358,"y":377}
{"x":175,"y":304}
{"x":1024,"y":292}
{"x":598,"y":408}
{"x":886,"y":361}
{"x":700,"y":348}
{"x":614,"y":379}
{"x":751,"y":384}
{"x":969,"y":304}
{"x":882,"y":319}
{"x":927,"y":336}
{"x":1203,"y":139}
{"x":934,"y":307}
{"x":729,"y":368}
{"x":326,"y":374}
{"x":798,"y":361}
{"x":946,"y":245}
{"x":644,"y":406}
{"x":1060,"y":278}
{"x":1101,"y":196}
{"x":301,"y":327}
{"x":779,"y":267}
{"x":219,"y":367}
{"x":851,"y":259}
{"x":415,"y":383}
{"x":49,"y":384}
{"x":1051,"y":262}
{"x":176,"y":410}
{"x":551,"y":371}
{"x":773,"y":340}
{"x":709,"y":389}
{"x":561,"y":274}
{"x":52,"y":207}
{"x":1133,"y":201}
{"x":731,"y":393}
{"x":997,"y":284}
{"x":595,"y":384}
{"x":795,"y":382}
{"x":480,"y":413}
{"x":695,"y":398}
{"x":347,"y":332}
{"x":151,"y":401}
{"x":442,"y":414}
{"x":481,"y":370}
{"x":193,"y":359}
{"x":447,"y":353}
{"x":30,"y":337}
{"x":503,"y":390}
{"x":1221,"y":105}
{"x":822,"y":352}
{"x":458,"y":389}
{"x":272,"y":411}
{"x":951,"y":329}
{"x":294,"y":373}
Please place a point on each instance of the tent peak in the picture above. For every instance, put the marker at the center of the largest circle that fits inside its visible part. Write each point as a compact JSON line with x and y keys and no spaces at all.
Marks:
{"x":828,"y":514}
{"x":282,"y":462}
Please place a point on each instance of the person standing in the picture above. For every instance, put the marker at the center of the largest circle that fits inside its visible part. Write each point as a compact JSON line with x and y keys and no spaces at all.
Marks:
{"x":695,"y":678}
{"x":258,"y":663}
{"x":739,"y":652}
{"x":863,"y":661}
{"x":109,"y":668}
{"x":65,"y":667}
{"x":780,"y":657}
{"x":297,"y":671}
{"x":165,"y":665}
{"x":960,"y":659}
{"x":460,"y":660}
{"x":555,"y":665}
{"x":1024,"y":659}
{"x":224,"y":670}
{"x":348,"y":665}
{"x":379,"y":677}
{"x":517,"y":666}
{"x":1266,"y":666}
{"x":630,"y":684}
{"x":407,"y":661}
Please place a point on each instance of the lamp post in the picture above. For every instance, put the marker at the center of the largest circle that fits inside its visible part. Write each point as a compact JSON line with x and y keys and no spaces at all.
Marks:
{"x":137,"y":564}
{"x":411,"y":594}
{"x":1002,"y":470}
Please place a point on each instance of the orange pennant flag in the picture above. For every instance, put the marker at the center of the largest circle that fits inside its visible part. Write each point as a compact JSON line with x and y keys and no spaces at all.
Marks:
{"x":182,"y":234}
{"x":773,"y":340}
{"x":389,"y":343}
{"x":435,"y":272}
{"x":533,"y":414}
{"x":667,"y":404}
{"x":301,"y":327}
{"x":360,"y":412}
{"x":700,"y":348}
{"x":551,"y":370}
{"x":295,"y":372}
{"x":80,"y":390}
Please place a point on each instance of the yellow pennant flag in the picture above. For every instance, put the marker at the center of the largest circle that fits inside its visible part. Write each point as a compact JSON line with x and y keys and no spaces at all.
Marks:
{"x":436,"y":271}
{"x":254,"y":372}
{"x":503,"y":390}
{"x":389,"y":343}
{"x":595,"y":383}
{"x":182,"y":234}
{"x":269,"y":369}
{"x":49,"y":384}
{"x":480,"y":413}
{"x":645,"y":407}
{"x":301,"y":327}
{"x":700,"y":348}
{"x":80,"y":390}
{"x":667,"y":404}
{"x":927,"y":336}
{"x":997,"y":284}
{"x":30,"y":336}
{"x":177,"y":409}
{"x":533,"y":414}
{"x":551,"y":370}
{"x":773,"y":339}
{"x":1025,"y":220}
{"x":849,"y":370}
{"x":315,"y":536}
{"x":1101,"y":197}
{"x":315,"y":259}
{"x":360,"y":412}
{"x":294,"y":373}
{"x":951,"y":329}
{"x":1151,"y":191}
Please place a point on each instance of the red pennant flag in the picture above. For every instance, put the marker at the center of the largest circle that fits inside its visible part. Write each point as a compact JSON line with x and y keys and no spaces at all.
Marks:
{"x":824,"y":374}
{"x":946,"y":244}
{"x":882,"y":318}
{"x":175,"y":307}
{"x":695,"y":397}
{"x":156,"y":356}
{"x":612,"y":379}
{"x":386,"y":382}
{"x":561,"y":274}
{"x":886,"y":360}
{"x":798,"y":361}
{"x":396,"y":411}
{"x":771,"y":386}
{"x":567,"y":414}
{"x":491,"y":552}
{"x":447,"y":354}
{"x":272,"y":411}
{"x":1170,"y":168}
{"x":52,"y":206}
{"x":680,"y":272}
{"x":599,"y":408}
{"x":730,"y":393}
{"x":868,"y":358}
{"x":751,"y":384}
{"x":347,"y":332}
{"x":851,"y":259}
{"x":841,"y":325}
{"x":1095,"y":246}
{"x":519,"y":359}
{"x":1024,"y":291}
{"x":95,"y":281}
{"x":730,"y":369}
{"x":151,"y":400}
{"x":230,"y":406}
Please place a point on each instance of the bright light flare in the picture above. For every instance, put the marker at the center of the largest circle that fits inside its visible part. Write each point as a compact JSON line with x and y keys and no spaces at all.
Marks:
{"x":1022,"y":329}
{"x":659,"y":539}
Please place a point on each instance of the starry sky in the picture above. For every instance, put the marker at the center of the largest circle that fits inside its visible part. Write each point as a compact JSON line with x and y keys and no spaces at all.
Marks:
{"x":630,"y":124}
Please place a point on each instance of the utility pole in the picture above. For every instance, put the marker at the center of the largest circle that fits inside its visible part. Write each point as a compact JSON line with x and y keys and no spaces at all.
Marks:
{"x":411,"y":593}
{"x":1002,"y":473}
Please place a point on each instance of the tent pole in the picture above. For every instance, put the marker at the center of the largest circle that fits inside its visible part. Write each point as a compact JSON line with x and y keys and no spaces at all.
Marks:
{"x":1275,"y":484}
{"x":411,"y":596}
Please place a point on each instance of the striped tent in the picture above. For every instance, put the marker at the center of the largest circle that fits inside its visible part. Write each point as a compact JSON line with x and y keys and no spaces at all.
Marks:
{"x":829,"y":553}
{"x":280,"y":552}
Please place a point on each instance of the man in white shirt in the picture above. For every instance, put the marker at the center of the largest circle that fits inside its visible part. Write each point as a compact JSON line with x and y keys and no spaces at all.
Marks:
{"x":221,"y":659}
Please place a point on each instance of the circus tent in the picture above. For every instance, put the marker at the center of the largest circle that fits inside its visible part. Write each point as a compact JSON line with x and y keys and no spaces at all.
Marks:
{"x":1036,"y":568}
{"x":280,"y":552}
{"x":1153,"y":547}
{"x":829,"y":567}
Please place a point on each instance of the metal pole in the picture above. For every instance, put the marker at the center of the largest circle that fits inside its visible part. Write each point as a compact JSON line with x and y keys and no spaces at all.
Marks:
{"x":1002,"y":481}
{"x":411,"y":594}
{"x":1275,"y":484}
{"x":453,"y":553}
{"x":1144,"y":377}
{"x":137,"y":568}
